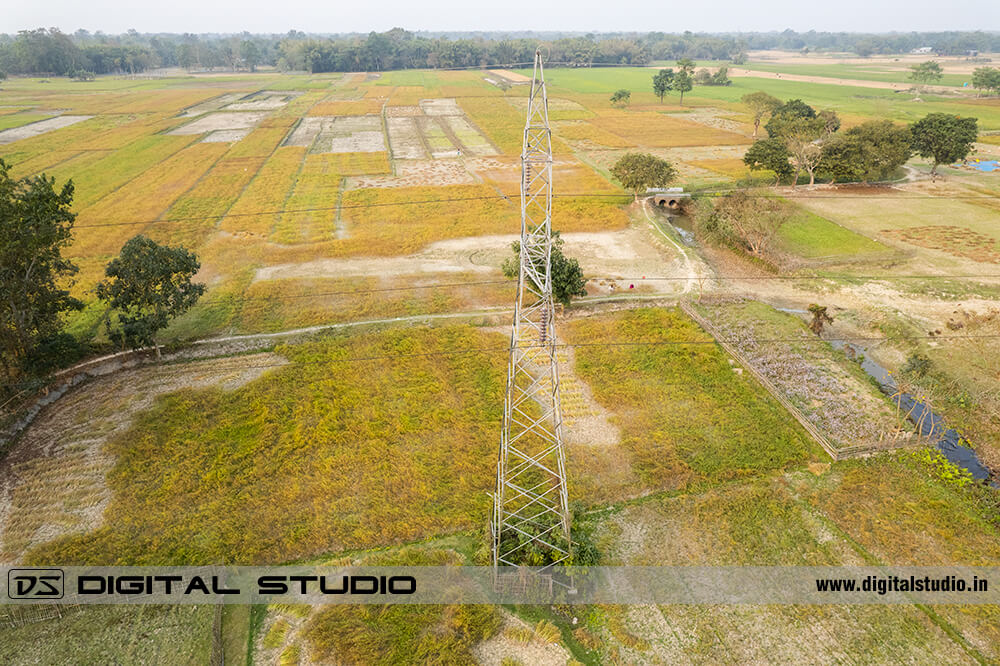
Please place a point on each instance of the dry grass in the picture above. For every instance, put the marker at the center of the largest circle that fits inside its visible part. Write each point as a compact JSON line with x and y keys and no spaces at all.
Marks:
{"x":145,"y":199}
{"x":266,"y":192}
{"x":954,"y":240}
{"x":360,"y":471}
{"x":660,"y":131}
{"x":362,"y":107}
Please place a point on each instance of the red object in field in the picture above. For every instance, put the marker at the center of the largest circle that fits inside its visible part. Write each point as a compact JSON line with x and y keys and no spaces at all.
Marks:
{"x":631,"y":286}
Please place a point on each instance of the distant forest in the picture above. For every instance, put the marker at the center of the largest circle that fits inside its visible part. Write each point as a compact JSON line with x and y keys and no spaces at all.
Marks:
{"x":84,"y":54}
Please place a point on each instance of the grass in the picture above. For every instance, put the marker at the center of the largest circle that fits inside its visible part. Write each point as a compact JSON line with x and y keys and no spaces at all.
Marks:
{"x":114,"y":634}
{"x":656,"y":130}
{"x":710,"y":425}
{"x":871,"y":102}
{"x":362,"y":472}
{"x":810,"y":236}
{"x":19,"y":119}
{"x":873,"y":72}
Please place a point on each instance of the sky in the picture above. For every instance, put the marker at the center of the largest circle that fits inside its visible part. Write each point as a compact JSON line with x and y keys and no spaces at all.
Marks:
{"x":337,"y":16}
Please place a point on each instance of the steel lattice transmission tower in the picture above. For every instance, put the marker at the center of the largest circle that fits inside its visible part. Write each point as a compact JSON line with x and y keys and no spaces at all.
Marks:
{"x":531,"y":511}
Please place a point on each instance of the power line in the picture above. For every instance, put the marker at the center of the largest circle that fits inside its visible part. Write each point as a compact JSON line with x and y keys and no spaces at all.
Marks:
{"x":578,"y":345}
{"x":506,"y":197}
{"x":713,"y":278}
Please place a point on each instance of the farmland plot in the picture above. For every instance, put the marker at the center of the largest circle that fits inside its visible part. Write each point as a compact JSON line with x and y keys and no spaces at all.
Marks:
{"x":37,"y":128}
{"x":228,"y":126}
{"x":339,"y":134}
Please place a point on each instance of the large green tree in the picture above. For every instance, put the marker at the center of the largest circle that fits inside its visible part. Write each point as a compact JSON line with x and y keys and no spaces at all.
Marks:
{"x":35,"y":227}
{"x":639,"y":171}
{"x":760,"y":104}
{"x":567,"y":276}
{"x":872,"y":150}
{"x":663,"y":82}
{"x":146,"y":286}
{"x":770,"y":154}
{"x":944,"y":137}
{"x":926,"y":72}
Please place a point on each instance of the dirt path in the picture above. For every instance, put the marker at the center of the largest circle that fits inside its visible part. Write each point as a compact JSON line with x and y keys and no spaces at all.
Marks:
{"x":857,"y":83}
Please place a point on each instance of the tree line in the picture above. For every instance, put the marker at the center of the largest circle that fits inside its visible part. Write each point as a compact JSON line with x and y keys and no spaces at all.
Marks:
{"x":52,"y":52}
{"x":801,"y":139}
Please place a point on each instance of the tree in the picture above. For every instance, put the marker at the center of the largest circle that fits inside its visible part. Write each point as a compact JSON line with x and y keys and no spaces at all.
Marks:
{"x":745,"y":220}
{"x":820,"y":317}
{"x":683,"y":83}
{"x":35,"y":227}
{"x":872,"y":150}
{"x":663,"y":82}
{"x":926,"y":72}
{"x":770,"y":154}
{"x":801,"y":136}
{"x":148,"y":285}
{"x":944,"y":138}
{"x":686,"y":65}
{"x":986,"y":79}
{"x":621,"y":98}
{"x":760,"y":104}
{"x":250,"y":54}
{"x":721,"y":77}
{"x":639,"y":171}
{"x":790,"y":110}
{"x":567,"y":276}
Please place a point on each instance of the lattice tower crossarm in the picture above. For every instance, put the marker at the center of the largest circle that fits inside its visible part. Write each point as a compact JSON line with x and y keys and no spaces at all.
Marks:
{"x":531,"y":510}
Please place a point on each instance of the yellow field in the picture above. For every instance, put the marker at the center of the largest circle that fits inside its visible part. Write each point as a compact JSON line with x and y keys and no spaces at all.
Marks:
{"x":660,"y":131}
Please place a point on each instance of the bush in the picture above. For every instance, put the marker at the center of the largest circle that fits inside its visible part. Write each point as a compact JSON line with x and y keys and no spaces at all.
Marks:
{"x":917,"y":365}
{"x":54,"y":352}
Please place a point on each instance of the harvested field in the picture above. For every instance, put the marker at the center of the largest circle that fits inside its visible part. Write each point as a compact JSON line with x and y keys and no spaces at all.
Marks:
{"x":832,"y":394}
{"x":263,"y":101}
{"x":472,"y":140}
{"x":221,"y":121}
{"x":405,"y":138}
{"x":38,"y":128}
{"x":440,"y":107}
{"x":211,"y":105}
{"x":438,"y":141}
{"x":953,"y":240}
{"x":53,"y":483}
{"x":418,"y":173}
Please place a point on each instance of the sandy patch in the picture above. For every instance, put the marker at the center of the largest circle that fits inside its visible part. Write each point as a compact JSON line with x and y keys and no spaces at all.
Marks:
{"x":620,"y":258}
{"x":226,"y":136}
{"x":41,"y":127}
{"x":419,"y":173}
{"x":221,"y":121}
{"x":513,"y":77}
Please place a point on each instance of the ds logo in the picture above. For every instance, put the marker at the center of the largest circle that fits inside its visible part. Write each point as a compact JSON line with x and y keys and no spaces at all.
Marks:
{"x":35,"y":584}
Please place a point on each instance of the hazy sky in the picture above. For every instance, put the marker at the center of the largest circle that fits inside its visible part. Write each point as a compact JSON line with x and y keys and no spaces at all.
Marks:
{"x":271,"y":16}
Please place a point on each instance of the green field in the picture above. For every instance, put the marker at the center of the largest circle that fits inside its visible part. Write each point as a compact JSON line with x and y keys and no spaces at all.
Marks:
{"x":810,"y":236}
